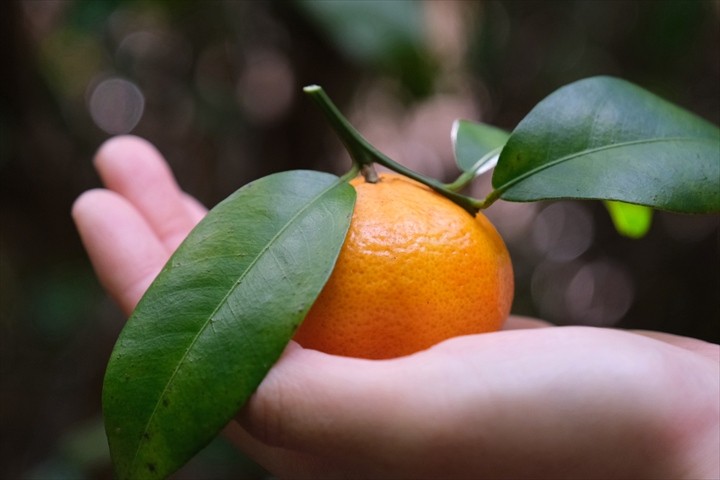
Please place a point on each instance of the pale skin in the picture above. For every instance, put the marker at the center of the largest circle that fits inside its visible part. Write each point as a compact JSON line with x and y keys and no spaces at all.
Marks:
{"x":532,"y":401}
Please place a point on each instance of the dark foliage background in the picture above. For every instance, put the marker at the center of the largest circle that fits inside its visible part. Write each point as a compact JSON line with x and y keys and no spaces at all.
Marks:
{"x":217,"y":87}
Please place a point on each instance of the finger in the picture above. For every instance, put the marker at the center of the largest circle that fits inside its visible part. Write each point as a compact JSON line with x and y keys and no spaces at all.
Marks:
{"x":133,"y":168}
{"x":123,"y":248}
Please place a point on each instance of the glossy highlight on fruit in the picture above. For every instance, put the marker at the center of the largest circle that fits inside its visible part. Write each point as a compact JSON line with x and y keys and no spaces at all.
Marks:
{"x":415,"y":269}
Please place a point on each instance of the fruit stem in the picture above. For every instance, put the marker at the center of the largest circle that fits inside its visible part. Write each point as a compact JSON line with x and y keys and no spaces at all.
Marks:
{"x":368,"y":171}
{"x":364,"y":153}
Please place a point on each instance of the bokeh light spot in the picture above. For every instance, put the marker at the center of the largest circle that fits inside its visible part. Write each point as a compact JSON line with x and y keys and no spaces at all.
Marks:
{"x":266,"y":88}
{"x":599,"y":294}
{"x":116,"y":105}
{"x":563,"y":231}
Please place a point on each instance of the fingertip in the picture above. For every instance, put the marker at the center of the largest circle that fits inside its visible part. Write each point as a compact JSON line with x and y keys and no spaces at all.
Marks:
{"x":90,"y":203}
{"x":109,"y":149}
{"x":82,"y":203}
{"x":120,"y":158}
{"x":196,"y":210}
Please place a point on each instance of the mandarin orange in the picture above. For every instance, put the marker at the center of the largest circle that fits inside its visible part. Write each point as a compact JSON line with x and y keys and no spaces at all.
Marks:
{"x":415,"y":269}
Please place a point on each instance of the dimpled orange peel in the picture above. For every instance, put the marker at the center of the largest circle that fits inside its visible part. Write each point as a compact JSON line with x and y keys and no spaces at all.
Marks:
{"x":415,"y":269}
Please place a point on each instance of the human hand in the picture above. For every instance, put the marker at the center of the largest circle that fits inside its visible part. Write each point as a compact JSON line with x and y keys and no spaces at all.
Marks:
{"x":532,"y":401}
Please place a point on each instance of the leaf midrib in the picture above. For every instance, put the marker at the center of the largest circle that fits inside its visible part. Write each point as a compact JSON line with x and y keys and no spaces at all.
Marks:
{"x":221,"y":303}
{"x":503,"y":188}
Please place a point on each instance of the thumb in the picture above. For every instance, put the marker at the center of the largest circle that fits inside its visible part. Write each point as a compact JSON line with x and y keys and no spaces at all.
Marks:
{"x":312,"y":402}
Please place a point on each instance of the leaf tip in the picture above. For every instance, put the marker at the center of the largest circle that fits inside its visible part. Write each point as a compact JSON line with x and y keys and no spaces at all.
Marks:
{"x":454,"y":131}
{"x":312,"y":88}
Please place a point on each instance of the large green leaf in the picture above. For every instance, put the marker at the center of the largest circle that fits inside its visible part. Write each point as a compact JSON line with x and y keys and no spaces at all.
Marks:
{"x":605,"y":138}
{"x":218,"y":316}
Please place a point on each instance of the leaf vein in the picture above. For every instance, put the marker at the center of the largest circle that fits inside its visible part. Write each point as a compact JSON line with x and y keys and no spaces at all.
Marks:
{"x":572,"y":156}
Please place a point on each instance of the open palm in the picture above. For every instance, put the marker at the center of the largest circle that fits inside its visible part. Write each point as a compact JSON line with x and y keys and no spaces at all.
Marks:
{"x":533,"y":401}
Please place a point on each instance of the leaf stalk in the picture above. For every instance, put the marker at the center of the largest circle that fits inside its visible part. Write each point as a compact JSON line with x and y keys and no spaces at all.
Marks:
{"x":485,"y":163}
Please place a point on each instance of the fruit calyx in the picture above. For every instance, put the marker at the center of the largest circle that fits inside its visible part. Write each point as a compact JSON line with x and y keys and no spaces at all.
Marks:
{"x":368,"y":171}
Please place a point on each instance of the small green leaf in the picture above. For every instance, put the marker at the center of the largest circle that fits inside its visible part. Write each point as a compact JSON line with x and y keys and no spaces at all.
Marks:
{"x":472,"y":141}
{"x":630,"y":220}
{"x":218,"y":316}
{"x":605,"y":138}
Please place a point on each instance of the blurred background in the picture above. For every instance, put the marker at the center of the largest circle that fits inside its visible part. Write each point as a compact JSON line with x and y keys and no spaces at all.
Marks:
{"x":217,"y":87}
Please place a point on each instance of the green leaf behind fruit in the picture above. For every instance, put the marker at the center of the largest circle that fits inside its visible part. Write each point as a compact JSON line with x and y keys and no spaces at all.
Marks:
{"x":605,"y":138}
{"x":472,"y":141}
{"x":218,"y":316}
{"x":630,"y":220}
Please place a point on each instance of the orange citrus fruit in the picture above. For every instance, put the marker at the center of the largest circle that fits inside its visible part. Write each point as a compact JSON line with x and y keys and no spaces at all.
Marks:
{"x":415,"y":269}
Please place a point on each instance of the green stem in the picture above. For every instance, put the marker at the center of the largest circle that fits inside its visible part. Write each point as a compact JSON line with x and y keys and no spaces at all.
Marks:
{"x":352,"y":173}
{"x":489,"y":200}
{"x":460,"y":182}
{"x":364,"y":153}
